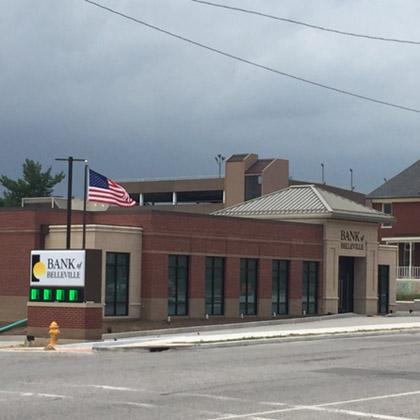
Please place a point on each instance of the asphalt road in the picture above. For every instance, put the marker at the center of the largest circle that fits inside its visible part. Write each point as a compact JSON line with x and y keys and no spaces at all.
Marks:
{"x":330,"y":378}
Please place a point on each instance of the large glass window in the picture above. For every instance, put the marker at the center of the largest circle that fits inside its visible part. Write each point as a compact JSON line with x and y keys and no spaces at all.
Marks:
{"x":116,"y":284}
{"x":280,"y":283}
{"x":309,"y":287}
{"x":248,"y":286}
{"x":178,"y":268}
{"x":215,"y":280}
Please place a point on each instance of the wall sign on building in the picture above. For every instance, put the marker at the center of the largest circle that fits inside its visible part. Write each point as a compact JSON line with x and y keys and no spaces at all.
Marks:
{"x":352,"y":240}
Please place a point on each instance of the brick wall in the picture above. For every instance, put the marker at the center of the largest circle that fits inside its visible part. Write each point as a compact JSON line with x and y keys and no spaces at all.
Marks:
{"x":65,"y":316}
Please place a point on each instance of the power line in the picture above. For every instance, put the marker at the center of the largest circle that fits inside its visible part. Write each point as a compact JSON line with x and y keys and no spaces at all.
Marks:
{"x":234,"y":57}
{"x":295,"y":22}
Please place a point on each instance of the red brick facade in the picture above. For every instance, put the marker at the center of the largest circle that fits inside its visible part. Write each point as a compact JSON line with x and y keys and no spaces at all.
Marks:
{"x":165,"y":233}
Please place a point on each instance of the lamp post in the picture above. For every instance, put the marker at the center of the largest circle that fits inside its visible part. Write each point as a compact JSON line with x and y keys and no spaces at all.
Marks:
{"x":220,"y":159}
{"x":351,"y":180}
{"x":322,"y":174}
{"x":70,"y":160}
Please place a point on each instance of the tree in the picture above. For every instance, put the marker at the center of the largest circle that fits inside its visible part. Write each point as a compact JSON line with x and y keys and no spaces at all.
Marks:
{"x":35,"y":183}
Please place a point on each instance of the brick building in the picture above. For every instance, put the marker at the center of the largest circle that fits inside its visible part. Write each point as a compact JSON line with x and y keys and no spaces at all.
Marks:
{"x":400,"y":197}
{"x":301,"y":250}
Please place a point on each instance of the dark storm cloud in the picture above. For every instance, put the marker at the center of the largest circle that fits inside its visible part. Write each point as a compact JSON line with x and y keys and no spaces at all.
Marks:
{"x":77,"y":80}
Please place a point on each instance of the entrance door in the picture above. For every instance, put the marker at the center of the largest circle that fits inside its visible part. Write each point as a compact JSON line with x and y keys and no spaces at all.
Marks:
{"x":383,"y":289}
{"x":346,"y":284}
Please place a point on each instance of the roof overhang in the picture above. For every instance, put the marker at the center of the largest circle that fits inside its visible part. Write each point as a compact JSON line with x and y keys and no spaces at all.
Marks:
{"x":401,"y":239}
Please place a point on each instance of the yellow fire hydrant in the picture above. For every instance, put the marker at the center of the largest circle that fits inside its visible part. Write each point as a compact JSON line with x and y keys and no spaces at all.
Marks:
{"x":53,"y":332}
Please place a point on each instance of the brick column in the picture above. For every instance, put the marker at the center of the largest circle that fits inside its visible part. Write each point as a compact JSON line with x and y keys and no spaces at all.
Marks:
{"x":197,"y":286}
{"x":295,"y":288}
{"x":232,"y":278}
{"x":264,"y":287}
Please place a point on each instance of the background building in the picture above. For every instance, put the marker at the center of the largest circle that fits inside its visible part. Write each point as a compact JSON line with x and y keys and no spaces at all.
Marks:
{"x":400,"y":197}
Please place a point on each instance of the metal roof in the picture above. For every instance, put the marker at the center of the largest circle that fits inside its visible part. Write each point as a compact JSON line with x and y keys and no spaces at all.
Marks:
{"x":305,"y":201}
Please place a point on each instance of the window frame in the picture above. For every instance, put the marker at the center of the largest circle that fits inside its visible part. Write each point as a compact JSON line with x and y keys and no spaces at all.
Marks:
{"x":115,"y":266}
{"x":248,"y":286}
{"x":280,"y":273}
{"x":181,"y":290}
{"x":310,"y":277}
{"x":214,"y":265}
{"x":391,"y":209}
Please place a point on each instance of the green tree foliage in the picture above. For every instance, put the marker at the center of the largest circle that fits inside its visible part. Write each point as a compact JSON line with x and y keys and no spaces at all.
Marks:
{"x":35,"y":183}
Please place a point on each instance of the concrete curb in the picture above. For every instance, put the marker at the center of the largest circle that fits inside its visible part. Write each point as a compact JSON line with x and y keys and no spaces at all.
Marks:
{"x":237,"y":340}
{"x":218,"y":327}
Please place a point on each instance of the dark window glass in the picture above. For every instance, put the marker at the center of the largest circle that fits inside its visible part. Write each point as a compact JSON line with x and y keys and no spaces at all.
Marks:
{"x":215,"y":281}
{"x":280,"y":287}
{"x":116,"y":284}
{"x":248,"y":286}
{"x":309,"y":287}
{"x":178,"y":268}
{"x":383,"y":289}
{"x":252,"y":187}
{"x":387,"y":209}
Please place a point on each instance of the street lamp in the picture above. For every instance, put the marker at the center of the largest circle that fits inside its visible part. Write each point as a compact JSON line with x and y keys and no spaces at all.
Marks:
{"x":70,"y":160}
{"x":220,"y":159}
{"x":322,"y":176}
{"x":351,"y":179}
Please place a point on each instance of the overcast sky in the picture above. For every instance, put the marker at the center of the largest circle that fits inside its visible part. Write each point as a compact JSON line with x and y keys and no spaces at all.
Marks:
{"x":77,"y":80}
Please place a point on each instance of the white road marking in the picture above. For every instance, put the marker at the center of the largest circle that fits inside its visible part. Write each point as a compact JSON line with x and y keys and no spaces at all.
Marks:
{"x":379,"y":397}
{"x":143,"y":405}
{"x":356,"y":413}
{"x":113,"y":388}
{"x":215,"y":397}
{"x":323,"y":407}
{"x":34,"y":394}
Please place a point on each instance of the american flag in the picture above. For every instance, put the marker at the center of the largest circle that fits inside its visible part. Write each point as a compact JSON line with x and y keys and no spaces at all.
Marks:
{"x":103,"y":190}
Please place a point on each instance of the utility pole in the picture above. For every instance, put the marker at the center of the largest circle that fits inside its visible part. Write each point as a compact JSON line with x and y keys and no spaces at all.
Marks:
{"x":70,"y":160}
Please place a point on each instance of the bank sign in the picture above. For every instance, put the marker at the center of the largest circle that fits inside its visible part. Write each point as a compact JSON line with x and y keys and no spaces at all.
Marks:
{"x":352,"y":240}
{"x":58,"y":268}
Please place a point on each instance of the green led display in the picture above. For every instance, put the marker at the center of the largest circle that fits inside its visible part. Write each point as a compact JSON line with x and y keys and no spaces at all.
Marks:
{"x":34,"y":294}
{"x":60,"y":294}
{"x":73,"y":295}
{"x":47,"y":294}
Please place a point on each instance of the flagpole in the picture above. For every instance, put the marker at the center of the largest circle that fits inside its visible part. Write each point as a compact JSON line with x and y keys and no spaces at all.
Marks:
{"x":84,"y":207}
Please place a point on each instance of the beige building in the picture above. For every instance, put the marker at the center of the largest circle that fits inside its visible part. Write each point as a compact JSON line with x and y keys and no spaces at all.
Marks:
{"x":358,"y":272}
{"x":246,"y":177}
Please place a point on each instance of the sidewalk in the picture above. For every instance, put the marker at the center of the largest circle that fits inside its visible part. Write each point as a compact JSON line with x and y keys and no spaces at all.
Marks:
{"x":237,"y":334}
{"x":247,"y":333}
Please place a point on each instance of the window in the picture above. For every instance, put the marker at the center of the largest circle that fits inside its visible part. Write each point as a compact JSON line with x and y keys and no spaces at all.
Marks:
{"x":178,"y":267}
{"x":116,"y":284}
{"x":280,"y":286}
{"x":387,"y":209}
{"x":383,"y":289}
{"x":309,"y":287}
{"x":248,"y":286}
{"x":252,"y":187}
{"x":215,"y":280}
